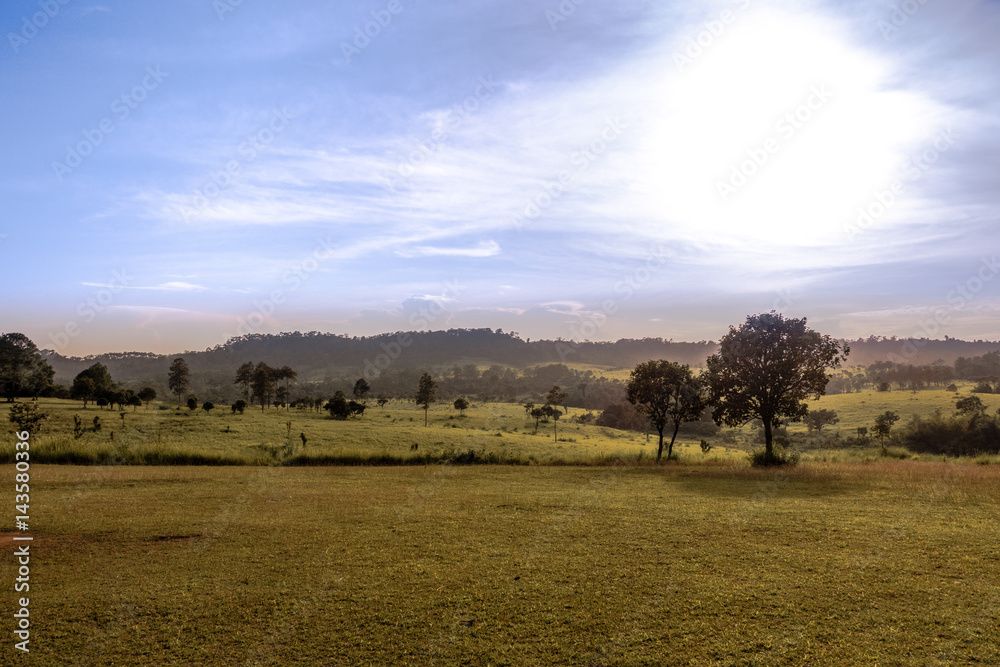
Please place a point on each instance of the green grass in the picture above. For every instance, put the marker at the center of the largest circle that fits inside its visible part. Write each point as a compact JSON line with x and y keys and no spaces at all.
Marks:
{"x":182,"y":436}
{"x":891,"y":563}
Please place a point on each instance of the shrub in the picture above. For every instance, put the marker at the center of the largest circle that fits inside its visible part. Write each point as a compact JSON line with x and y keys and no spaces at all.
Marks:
{"x":780,"y":457}
{"x":983,"y":388}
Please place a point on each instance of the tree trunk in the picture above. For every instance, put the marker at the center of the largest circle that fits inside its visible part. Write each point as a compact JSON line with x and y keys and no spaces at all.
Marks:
{"x":670,"y":449}
{"x":768,"y":438}
{"x":659,"y":452}
{"x":425,"y":416}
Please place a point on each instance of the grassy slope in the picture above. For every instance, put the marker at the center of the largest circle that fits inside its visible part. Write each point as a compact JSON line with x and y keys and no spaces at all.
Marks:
{"x":889,"y":564}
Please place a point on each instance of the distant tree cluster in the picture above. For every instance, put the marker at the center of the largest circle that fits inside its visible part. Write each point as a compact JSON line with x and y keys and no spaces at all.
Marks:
{"x":94,"y":384}
{"x":23,"y":371}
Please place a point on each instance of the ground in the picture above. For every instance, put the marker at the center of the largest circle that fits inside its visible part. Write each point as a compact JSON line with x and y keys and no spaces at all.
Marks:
{"x":889,"y":563}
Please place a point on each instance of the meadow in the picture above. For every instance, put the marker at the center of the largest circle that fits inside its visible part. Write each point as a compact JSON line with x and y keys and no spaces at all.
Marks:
{"x":888,"y":563}
{"x":164,"y":433}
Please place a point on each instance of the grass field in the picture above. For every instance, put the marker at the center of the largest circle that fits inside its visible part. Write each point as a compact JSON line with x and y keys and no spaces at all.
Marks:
{"x":892,"y":563}
{"x":260,"y":437}
{"x":164,"y":433}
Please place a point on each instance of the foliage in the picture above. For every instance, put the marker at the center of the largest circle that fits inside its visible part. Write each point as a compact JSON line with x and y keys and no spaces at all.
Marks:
{"x":147,"y":394}
{"x":426,"y":393}
{"x":970,"y":435}
{"x":178,"y":377}
{"x":623,"y":416}
{"x":239,"y":406}
{"x":27,"y":417}
{"x":361,"y":389}
{"x":192,"y":403}
{"x":461,"y":405}
{"x":883,"y":426}
{"x":667,"y":393}
{"x":23,"y":371}
{"x":767,"y":368}
{"x":207,"y":406}
{"x":970,"y":406}
{"x":816,"y":419}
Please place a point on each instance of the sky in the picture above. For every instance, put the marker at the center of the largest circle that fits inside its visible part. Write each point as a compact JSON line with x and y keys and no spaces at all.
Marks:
{"x":177,"y":174}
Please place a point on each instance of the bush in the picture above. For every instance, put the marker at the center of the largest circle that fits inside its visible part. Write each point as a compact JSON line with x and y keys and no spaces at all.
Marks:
{"x":955,"y":436}
{"x":779,"y":457}
{"x":983,"y":388}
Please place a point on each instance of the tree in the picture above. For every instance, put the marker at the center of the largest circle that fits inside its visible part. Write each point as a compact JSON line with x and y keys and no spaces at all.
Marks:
{"x":263,"y":384}
{"x":146,"y":394}
{"x":361,"y":387}
{"x":426,"y":393}
{"x":766,"y":369}
{"x":338,"y":406}
{"x":555,"y":413}
{"x":93,"y":383}
{"x":556,"y":396}
{"x":179,"y":377}
{"x":23,"y":371}
{"x":27,"y":416}
{"x":817,"y":419}
{"x":83,"y":389}
{"x":537,"y":414}
{"x":883,"y":426}
{"x":192,"y":403}
{"x":208,"y":406}
{"x":285,"y":373}
{"x":667,"y":393}
{"x":244,"y":377}
{"x":461,"y":405}
{"x":972,"y":406}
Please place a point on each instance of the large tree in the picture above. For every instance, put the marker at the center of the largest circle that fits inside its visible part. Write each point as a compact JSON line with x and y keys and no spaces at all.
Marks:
{"x":179,"y":377}
{"x":244,"y":377}
{"x":23,"y":371}
{"x":263,"y":383}
{"x":426,"y":393}
{"x":667,"y":393}
{"x":92,"y":383}
{"x":766,"y":369}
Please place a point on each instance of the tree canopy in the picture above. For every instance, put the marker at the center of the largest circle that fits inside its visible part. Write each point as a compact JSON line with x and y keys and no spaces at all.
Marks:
{"x":766,"y":369}
{"x":23,"y":371}
{"x":667,"y":393}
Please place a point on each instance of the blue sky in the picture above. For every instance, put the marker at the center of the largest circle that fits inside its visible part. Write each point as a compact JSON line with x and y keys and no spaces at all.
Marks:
{"x":178,"y":173}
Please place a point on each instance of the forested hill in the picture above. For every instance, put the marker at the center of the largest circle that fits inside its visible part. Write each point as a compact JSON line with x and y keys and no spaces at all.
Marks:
{"x":318,"y":356}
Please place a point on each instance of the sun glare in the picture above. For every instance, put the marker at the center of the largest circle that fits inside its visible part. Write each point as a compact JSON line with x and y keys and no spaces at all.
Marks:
{"x":774,"y":132}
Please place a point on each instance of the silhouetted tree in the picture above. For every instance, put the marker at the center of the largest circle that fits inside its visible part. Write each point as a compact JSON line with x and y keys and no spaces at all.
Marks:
{"x":244,"y":377}
{"x":179,"y":377}
{"x":23,"y":371}
{"x":461,"y":405}
{"x":361,"y":389}
{"x":766,"y":369}
{"x":666,"y":393}
{"x":147,"y":394}
{"x":817,"y":419}
{"x":426,"y":393}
